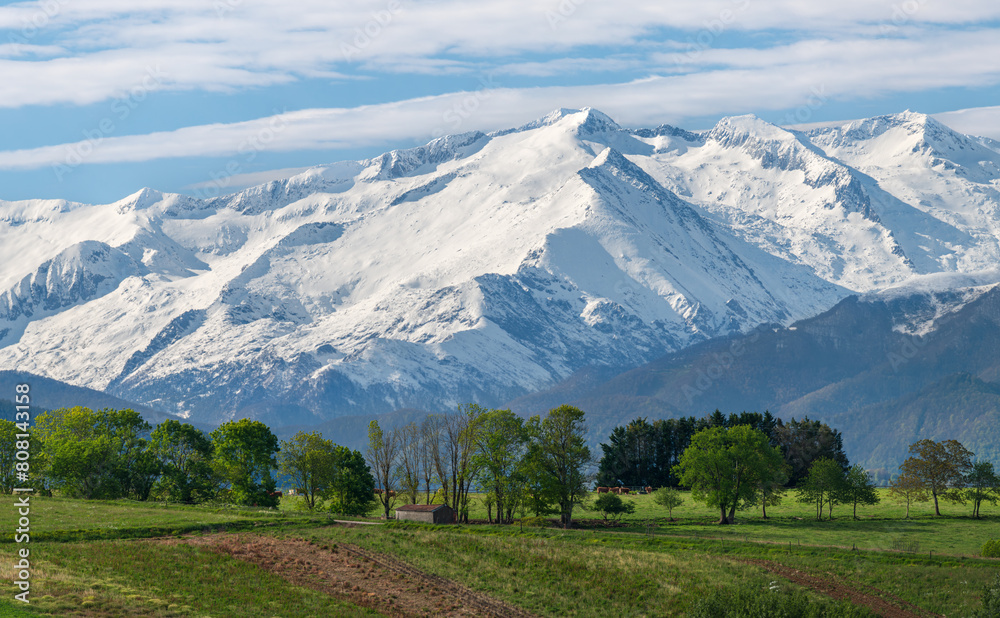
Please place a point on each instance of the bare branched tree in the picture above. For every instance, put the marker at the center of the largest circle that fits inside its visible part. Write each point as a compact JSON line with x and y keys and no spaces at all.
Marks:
{"x":383,"y":457}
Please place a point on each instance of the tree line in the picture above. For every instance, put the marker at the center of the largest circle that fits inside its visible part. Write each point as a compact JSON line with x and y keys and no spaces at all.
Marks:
{"x":641,"y":454}
{"x":111,"y":454}
{"x":753,"y":459}
{"x":538,"y":465}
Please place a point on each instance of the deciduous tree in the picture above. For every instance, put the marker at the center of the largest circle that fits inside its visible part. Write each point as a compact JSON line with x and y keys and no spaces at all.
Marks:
{"x":859,"y":488}
{"x":823,"y":485}
{"x":981,"y":485}
{"x":910,"y":489}
{"x":939,"y":466}
{"x":244,"y":456}
{"x":96,"y":454}
{"x":501,"y":441}
{"x":723,"y":466}
{"x":383,"y":457}
{"x":669,"y":498}
{"x":351,"y":488}
{"x":561,"y":457}
{"x":308,"y":460}
{"x":185,"y":456}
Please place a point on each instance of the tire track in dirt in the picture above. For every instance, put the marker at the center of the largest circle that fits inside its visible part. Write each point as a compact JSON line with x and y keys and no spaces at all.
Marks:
{"x":368,"y":579}
{"x":488,"y":605}
{"x":880,"y":602}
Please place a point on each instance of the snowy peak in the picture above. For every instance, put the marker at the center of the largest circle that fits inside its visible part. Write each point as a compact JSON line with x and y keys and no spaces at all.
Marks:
{"x":481,"y":267}
{"x":736,"y":131}
{"x":913,"y":136}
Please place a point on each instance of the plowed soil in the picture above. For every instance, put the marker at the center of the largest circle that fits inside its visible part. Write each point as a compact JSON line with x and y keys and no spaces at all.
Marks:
{"x":878,"y":601}
{"x":367,"y":579}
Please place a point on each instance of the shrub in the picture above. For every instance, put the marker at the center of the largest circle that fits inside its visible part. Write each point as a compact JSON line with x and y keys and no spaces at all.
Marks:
{"x":610,"y":505}
{"x":991,"y":549}
{"x":752,"y":601}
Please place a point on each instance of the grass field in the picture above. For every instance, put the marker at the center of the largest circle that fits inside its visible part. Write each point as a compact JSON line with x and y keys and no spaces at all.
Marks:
{"x":89,"y":558}
{"x":880,"y":527}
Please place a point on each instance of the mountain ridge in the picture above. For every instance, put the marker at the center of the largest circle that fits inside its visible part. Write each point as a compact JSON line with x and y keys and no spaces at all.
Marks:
{"x":485,"y":267}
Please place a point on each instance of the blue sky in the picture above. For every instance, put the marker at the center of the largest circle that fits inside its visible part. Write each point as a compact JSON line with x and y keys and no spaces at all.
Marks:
{"x":104,"y":97}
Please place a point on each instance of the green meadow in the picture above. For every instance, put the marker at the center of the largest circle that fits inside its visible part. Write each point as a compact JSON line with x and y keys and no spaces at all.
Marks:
{"x":89,"y":558}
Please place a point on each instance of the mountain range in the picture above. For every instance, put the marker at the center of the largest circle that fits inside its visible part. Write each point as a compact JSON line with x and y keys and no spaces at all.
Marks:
{"x":528,"y":266}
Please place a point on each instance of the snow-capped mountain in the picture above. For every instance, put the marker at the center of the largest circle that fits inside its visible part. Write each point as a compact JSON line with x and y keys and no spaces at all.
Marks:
{"x":482,"y":267}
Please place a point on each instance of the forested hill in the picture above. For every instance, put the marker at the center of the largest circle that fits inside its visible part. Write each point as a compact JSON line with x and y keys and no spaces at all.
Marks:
{"x":49,"y":394}
{"x":884,"y":370}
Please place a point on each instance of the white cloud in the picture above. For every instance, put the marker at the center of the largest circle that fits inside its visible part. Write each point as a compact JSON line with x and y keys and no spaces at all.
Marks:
{"x":765,"y":82}
{"x":99,"y":46}
{"x":982,"y":121}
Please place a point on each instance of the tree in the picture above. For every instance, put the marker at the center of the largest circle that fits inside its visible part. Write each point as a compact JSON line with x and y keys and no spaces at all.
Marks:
{"x":669,"y":498}
{"x":383,"y":457}
{"x":629,"y":456}
{"x":454,"y":461}
{"x":96,"y":454}
{"x":771,"y":489}
{"x":823,"y":485}
{"x":308,"y":460}
{"x":8,"y":454}
{"x":351,"y":488}
{"x":938,"y":466}
{"x":859,"y":488}
{"x":410,"y":459}
{"x":722,"y":467}
{"x":244,"y":456}
{"x":560,"y":456}
{"x":185,"y":456}
{"x":909,"y":489}
{"x":803,"y":442}
{"x":136,"y":469}
{"x":501,"y":441}
{"x":611,"y":505}
{"x":430,"y":438}
{"x":981,"y":485}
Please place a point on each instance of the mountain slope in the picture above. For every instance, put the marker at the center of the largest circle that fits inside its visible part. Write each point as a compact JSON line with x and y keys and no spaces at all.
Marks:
{"x":482,"y":267}
{"x":854,"y":366}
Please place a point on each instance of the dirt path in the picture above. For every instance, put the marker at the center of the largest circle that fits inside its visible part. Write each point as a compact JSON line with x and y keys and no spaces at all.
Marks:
{"x":879,"y":601}
{"x":364,"y":578}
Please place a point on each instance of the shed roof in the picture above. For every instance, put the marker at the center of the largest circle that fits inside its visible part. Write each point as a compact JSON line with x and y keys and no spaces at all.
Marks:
{"x":422,"y":508}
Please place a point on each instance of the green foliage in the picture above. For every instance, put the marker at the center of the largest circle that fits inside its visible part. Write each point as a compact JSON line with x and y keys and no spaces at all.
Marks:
{"x":823,"y":486}
{"x":185,"y":456}
{"x":611,"y":505}
{"x":981,"y":485}
{"x":8,"y":451}
{"x":991,"y":549}
{"x":991,"y":599}
{"x":938,"y":467}
{"x":804,"y":442}
{"x":750,"y":601}
{"x":723,"y":467}
{"x":308,"y":460}
{"x":558,"y":458}
{"x":858,"y":488}
{"x":351,"y":488}
{"x":96,"y":454}
{"x":244,"y":457}
{"x":669,"y":498}
{"x":501,"y":440}
{"x":644,"y":454}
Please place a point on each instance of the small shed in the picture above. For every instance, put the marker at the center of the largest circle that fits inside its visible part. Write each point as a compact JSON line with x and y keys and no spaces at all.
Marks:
{"x":426,"y":513}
